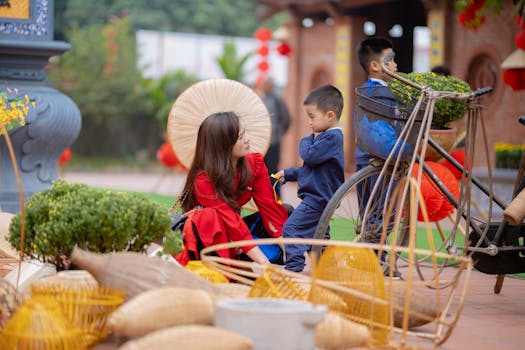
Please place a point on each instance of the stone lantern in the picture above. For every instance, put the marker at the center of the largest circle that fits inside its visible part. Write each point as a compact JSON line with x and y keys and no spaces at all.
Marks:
{"x":26,"y":44}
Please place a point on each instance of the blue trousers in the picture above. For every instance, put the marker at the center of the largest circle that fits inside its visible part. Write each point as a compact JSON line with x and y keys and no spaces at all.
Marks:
{"x":300,"y":224}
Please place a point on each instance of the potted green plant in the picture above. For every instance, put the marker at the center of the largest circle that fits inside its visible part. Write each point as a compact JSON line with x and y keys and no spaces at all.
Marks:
{"x":445,"y":110}
{"x":102,"y":221}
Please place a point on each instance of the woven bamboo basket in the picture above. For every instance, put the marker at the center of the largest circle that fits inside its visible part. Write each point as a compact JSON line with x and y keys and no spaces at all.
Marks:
{"x":87,"y":308}
{"x":197,"y":267}
{"x":39,"y":324}
{"x":10,"y":300}
{"x":68,"y":279}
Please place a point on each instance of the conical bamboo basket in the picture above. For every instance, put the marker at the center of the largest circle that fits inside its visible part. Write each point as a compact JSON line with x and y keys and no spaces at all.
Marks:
{"x":86,"y":308}
{"x":38,"y":325}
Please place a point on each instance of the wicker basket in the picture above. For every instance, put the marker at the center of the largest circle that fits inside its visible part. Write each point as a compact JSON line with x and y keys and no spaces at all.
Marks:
{"x":87,"y":308}
{"x":196,"y":266}
{"x":40,"y":324}
{"x":355,"y":269}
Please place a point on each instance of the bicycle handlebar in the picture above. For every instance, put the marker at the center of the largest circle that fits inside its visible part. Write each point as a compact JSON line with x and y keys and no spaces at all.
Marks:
{"x":481,"y":91}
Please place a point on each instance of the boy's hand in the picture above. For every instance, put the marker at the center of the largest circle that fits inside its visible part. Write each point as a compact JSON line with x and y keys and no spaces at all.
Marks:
{"x":279,"y":176}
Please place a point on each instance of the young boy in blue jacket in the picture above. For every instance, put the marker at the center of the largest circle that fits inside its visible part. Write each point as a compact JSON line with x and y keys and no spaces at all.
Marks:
{"x":371,"y":53}
{"x":320,"y":175}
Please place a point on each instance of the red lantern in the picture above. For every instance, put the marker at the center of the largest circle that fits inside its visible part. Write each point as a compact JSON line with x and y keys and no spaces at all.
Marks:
{"x":263,"y":34}
{"x":263,"y":66}
{"x":65,"y":156}
{"x":438,"y":207}
{"x":520,"y":21}
{"x":520,"y":40}
{"x":263,"y":50}
{"x":459,"y":156}
{"x":167,"y":157}
{"x":284,"y":49}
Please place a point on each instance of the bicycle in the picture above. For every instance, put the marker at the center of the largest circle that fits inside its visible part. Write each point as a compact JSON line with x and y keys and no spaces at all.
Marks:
{"x":495,"y":246}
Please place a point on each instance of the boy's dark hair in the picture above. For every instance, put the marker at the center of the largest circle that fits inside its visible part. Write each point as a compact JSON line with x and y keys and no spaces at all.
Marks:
{"x":371,"y":49}
{"x":326,"y":98}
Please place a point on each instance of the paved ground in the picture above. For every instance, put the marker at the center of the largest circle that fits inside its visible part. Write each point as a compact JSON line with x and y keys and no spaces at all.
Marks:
{"x":487,"y":321}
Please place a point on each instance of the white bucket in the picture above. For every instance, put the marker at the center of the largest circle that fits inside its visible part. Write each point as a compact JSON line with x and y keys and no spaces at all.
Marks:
{"x":271,"y":323}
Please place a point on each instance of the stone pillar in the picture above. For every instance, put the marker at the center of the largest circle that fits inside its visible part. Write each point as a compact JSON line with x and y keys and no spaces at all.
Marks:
{"x":26,"y":44}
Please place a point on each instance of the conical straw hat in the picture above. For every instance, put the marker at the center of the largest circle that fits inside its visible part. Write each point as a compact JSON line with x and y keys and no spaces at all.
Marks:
{"x":212,"y":96}
{"x":515,"y":60}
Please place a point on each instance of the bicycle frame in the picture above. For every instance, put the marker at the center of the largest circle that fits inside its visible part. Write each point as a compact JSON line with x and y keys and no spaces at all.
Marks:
{"x":492,"y":245}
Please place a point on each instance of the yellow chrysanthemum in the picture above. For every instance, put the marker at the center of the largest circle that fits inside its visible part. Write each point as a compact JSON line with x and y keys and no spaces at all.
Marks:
{"x":13,"y":112}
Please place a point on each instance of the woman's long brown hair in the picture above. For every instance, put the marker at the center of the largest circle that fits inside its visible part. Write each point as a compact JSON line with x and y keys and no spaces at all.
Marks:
{"x":217,"y":135}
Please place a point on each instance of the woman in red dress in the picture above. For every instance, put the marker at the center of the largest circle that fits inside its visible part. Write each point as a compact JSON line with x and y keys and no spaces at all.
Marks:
{"x":224,"y":176}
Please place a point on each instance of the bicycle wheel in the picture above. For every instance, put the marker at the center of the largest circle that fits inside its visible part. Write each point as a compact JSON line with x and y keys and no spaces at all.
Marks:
{"x":345,"y":217}
{"x":344,"y":213}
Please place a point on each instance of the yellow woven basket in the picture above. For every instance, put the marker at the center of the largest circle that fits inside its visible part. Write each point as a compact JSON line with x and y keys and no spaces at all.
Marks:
{"x":274,"y":284}
{"x":86,"y":308}
{"x":196,"y":266}
{"x":354,"y":269}
{"x":39,"y":324}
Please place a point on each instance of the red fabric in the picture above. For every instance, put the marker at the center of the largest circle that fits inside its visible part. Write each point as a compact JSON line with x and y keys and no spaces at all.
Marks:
{"x":65,"y":156}
{"x":219,"y":223}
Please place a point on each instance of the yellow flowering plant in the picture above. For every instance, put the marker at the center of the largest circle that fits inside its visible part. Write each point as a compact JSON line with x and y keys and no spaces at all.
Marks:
{"x":508,"y":155}
{"x":13,"y":112}
{"x":445,"y":110}
{"x":13,"y":108}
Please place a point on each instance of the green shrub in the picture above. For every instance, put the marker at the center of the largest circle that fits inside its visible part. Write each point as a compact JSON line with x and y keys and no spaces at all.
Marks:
{"x":70,"y":214}
{"x":445,"y":110}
